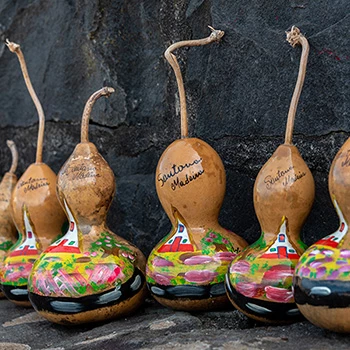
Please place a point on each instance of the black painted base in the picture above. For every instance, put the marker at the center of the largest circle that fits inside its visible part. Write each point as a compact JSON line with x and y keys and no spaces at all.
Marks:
{"x":262,"y":310}
{"x":333,"y":294}
{"x":187,"y":291}
{"x":70,"y":306}
{"x":15,"y":294}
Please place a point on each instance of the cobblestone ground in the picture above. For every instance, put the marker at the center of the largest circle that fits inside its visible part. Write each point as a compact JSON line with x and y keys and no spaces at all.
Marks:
{"x":155,"y":327}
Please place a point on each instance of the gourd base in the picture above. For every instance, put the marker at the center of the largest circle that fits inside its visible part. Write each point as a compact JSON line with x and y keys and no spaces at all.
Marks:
{"x":93,"y":308}
{"x":325,"y":303}
{"x":193,"y":298}
{"x":333,"y":319}
{"x":270,"y":312}
{"x":17,"y":295}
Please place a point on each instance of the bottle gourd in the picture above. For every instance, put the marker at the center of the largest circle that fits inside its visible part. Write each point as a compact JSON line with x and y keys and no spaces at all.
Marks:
{"x":186,"y":270}
{"x":89,"y":274}
{"x":321,"y":281}
{"x":259,"y":280}
{"x":8,"y":233}
{"x":35,"y":210}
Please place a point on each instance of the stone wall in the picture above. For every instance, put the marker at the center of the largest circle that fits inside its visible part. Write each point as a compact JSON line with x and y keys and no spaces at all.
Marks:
{"x":238,"y":94}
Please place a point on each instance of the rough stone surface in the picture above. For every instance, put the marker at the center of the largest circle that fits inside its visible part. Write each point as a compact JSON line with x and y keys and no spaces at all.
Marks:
{"x":238,"y":94}
{"x":227,"y":330}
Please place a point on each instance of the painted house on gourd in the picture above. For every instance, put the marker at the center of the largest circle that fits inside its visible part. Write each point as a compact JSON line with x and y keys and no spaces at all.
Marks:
{"x":179,"y":242}
{"x":281,"y":248}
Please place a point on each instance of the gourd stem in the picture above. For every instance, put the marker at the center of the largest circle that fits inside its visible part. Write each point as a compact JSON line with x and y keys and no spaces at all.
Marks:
{"x":12,"y":146}
{"x":106,"y":91}
{"x":294,"y":37}
{"x":215,"y":35}
{"x":13,"y":47}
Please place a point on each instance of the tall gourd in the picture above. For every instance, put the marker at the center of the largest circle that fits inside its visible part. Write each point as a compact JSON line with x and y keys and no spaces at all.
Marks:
{"x":186,"y":269}
{"x":89,"y":274}
{"x":35,"y":208}
{"x":259,"y":280}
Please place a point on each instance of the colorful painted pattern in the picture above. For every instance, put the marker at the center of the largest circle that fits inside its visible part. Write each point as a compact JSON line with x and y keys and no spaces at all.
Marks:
{"x":266,"y":272}
{"x":177,"y":260}
{"x":325,"y":260}
{"x":65,"y":270}
{"x":19,"y":261}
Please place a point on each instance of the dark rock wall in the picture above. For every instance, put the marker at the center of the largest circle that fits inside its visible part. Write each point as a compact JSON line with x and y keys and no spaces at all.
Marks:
{"x":238,"y":94}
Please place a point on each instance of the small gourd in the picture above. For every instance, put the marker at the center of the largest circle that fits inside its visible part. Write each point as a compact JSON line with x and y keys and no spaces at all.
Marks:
{"x":186,"y":270}
{"x":8,"y":233}
{"x":321,"y":281}
{"x":89,"y":274}
{"x":259,"y":280}
{"x":36,"y":211}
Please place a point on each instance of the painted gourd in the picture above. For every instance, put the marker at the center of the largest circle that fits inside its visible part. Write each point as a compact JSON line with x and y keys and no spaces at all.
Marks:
{"x":8,"y":233}
{"x":259,"y":280}
{"x":35,"y":209}
{"x":89,"y":274}
{"x":186,"y":269}
{"x":322,"y":276}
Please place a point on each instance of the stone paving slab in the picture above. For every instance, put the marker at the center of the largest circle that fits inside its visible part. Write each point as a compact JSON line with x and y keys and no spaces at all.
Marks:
{"x":155,"y":327}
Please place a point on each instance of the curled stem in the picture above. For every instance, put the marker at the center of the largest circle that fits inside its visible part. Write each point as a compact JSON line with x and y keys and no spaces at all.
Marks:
{"x":294,"y":37}
{"x":106,"y":91}
{"x":12,"y":146}
{"x":13,"y":47}
{"x":215,"y":35}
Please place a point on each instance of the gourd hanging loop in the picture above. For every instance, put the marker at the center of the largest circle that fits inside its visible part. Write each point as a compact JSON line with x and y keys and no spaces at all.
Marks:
{"x":106,"y":91}
{"x":15,"y":48}
{"x":13,"y":149}
{"x":215,"y":35}
{"x":294,"y":37}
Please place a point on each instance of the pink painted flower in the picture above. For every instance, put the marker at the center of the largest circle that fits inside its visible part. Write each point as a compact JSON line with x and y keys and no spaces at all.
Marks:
{"x":345,"y":253}
{"x":209,"y":239}
{"x":98,"y":243}
{"x":198,"y":259}
{"x":201,"y":276}
{"x":240,"y":267}
{"x":334,"y":275}
{"x":157,"y":261}
{"x":314,"y":252}
{"x":94,"y":254}
{"x":224,"y":256}
{"x":248,"y":289}
{"x":225,"y":241}
{"x":279,"y":295}
{"x":320,"y":271}
{"x":212,"y":235}
{"x":327,"y":252}
{"x":316,"y":263}
{"x":117,"y":273}
{"x":304,"y":271}
{"x":278,"y":273}
{"x":345,"y":268}
{"x":162,"y":279}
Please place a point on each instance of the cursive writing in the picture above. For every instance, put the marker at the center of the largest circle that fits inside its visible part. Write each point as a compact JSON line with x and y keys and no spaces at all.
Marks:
{"x":271,"y":180}
{"x":177,"y":183}
{"x":33,"y":183}
{"x":80,"y":172}
{"x":177,"y":169}
{"x":290,"y":179}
